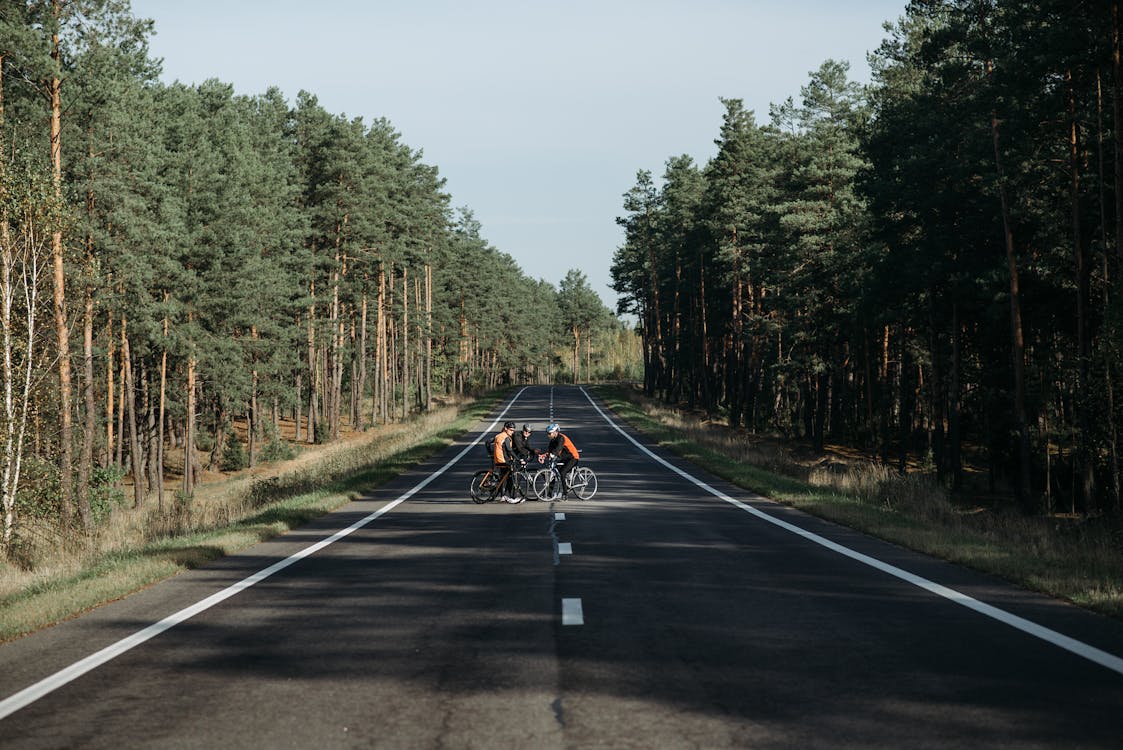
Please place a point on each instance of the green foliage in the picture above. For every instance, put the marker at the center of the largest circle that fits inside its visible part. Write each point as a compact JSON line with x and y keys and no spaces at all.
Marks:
{"x":234,"y":453}
{"x":842,"y":272}
{"x":38,"y":497}
{"x":281,"y":254}
{"x":106,"y":492}
{"x":276,"y":447}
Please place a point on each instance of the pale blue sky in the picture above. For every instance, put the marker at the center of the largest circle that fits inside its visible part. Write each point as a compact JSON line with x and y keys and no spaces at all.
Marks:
{"x":538,"y":114}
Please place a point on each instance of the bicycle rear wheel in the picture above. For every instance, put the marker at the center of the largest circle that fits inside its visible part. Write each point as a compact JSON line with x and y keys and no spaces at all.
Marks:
{"x":484,"y":484}
{"x":583,"y":483}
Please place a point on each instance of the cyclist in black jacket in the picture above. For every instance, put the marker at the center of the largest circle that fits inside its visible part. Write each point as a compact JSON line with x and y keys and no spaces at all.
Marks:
{"x":520,"y":442}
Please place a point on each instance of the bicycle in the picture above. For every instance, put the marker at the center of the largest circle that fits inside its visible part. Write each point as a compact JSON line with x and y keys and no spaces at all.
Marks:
{"x":547,"y":482}
{"x":486,"y":483}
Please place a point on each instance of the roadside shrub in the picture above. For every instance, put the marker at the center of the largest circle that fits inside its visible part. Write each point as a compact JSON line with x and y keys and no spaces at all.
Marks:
{"x":276,"y":447}
{"x":106,"y":492}
{"x":234,"y":454}
{"x":38,"y":495}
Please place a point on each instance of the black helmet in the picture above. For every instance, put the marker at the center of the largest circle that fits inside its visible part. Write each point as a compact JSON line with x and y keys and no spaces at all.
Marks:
{"x":508,"y":425}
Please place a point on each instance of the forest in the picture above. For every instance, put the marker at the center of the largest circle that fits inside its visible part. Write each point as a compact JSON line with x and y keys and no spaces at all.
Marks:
{"x":923,"y":267}
{"x":178,"y":259}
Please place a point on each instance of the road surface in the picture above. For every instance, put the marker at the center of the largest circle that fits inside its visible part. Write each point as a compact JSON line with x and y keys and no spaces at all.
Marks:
{"x":672,"y":610}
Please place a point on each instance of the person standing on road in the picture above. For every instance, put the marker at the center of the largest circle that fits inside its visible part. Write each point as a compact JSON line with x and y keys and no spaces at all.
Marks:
{"x":524,"y":453}
{"x":505,"y":461}
{"x":563,"y":449}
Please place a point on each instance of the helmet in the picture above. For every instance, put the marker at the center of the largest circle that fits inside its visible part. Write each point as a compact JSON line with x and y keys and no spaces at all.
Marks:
{"x":508,"y":425}
{"x":553,"y":427}
{"x":526,"y":428}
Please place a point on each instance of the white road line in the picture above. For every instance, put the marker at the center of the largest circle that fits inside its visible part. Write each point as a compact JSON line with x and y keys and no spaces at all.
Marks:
{"x":565,"y":548}
{"x":571,"y":612}
{"x":1091,"y":653}
{"x":559,"y":516}
{"x":29,"y":695}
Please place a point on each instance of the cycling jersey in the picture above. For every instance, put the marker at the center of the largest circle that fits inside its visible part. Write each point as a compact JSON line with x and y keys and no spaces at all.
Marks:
{"x":562,"y":447}
{"x":502,"y":453}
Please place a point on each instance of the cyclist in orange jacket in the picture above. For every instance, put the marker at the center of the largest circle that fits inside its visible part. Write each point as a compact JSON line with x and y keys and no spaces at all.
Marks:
{"x":503,"y":456}
{"x":563,"y":449}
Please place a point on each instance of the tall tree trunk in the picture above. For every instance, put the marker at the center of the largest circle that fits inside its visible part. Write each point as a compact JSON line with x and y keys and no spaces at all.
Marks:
{"x":704,"y":334}
{"x":189,"y":422}
{"x":658,"y":351}
{"x":313,"y":369}
{"x":405,"y":341}
{"x":886,"y":390}
{"x":162,"y":417}
{"x":335,"y":372}
{"x":428,"y":337}
{"x":419,"y":350}
{"x":1024,"y":488}
{"x":382,"y":350}
{"x":253,"y":436}
{"x":904,"y":408}
{"x":1082,"y":274}
{"x":733,"y":354}
{"x":576,"y":350}
{"x":938,"y":390}
{"x":120,"y":450}
{"x":589,"y":358}
{"x":89,"y":430}
{"x":1117,"y":119}
{"x":464,"y":352}
{"x":152,"y":448}
{"x":139,"y":488}
{"x":1109,"y":389}
{"x":110,"y":390}
{"x":361,"y":387}
{"x":62,"y":331}
{"x":955,"y":452}
{"x":299,"y":405}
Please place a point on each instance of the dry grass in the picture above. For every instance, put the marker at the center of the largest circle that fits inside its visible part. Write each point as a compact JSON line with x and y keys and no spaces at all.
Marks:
{"x":133,"y":548}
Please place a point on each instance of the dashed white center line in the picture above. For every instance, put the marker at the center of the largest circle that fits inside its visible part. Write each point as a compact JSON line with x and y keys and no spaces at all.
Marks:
{"x":565,"y":548}
{"x":559,"y":516}
{"x":571,"y":612}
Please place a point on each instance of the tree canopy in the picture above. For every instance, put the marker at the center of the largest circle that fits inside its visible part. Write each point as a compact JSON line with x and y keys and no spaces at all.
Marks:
{"x":223,"y":259}
{"x":922,"y":267}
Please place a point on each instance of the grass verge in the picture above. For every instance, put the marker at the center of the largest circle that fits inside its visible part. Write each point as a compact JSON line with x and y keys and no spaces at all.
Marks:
{"x":222,"y":521}
{"x":1078,"y":562}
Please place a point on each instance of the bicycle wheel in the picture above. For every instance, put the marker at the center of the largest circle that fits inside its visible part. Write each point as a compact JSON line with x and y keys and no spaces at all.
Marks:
{"x":484,"y":484}
{"x":543,"y":484}
{"x":523,"y":485}
{"x":583,"y":483}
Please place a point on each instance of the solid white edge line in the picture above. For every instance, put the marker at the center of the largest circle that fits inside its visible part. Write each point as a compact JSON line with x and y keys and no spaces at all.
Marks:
{"x":47,"y":685}
{"x":1091,"y":653}
{"x":572,"y":613}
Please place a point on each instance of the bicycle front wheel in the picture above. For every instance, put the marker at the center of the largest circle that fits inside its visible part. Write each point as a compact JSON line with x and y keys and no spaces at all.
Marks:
{"x":541,"y":484}
{"x":484,"y":483}
{"x":583,"y":483}
{"x":523,"y":484}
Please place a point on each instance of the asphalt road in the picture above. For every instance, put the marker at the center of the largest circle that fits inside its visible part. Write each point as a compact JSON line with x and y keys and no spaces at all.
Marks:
{"x":669,"y":611}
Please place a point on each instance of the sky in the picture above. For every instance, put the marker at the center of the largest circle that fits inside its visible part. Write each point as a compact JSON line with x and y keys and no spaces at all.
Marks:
{"x":537,"y":114}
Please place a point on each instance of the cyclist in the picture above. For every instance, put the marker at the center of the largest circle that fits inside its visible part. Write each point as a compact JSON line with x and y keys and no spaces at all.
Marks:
{"x":521,"y":443}
{"x":504,"y":460}
{"x":563,"y":449}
